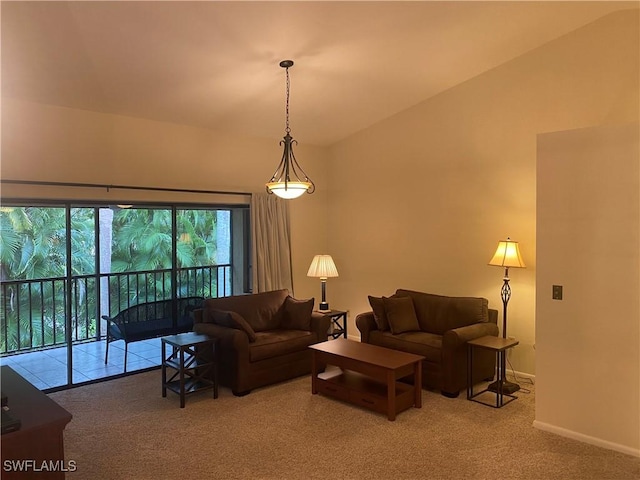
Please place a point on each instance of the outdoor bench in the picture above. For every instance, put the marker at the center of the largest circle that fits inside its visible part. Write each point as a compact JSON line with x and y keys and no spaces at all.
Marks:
{"x":150,"y":320}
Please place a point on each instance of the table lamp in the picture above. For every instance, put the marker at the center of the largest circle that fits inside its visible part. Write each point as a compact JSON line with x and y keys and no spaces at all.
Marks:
{"x":322,"y":266}
{"x":508,"y":256}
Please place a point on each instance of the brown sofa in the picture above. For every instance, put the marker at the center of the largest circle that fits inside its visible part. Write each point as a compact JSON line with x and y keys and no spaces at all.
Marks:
{"x":436,"y":327}
{"x":263,"y":338}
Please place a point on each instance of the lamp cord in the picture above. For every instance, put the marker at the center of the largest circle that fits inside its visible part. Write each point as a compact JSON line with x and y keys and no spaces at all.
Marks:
{"x":520,"y":380}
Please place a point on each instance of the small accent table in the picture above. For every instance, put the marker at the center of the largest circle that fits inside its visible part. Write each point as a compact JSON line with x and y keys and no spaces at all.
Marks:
{"x":186,"y":357}
{"x":338,"y":322}
{"x":500,"y":346}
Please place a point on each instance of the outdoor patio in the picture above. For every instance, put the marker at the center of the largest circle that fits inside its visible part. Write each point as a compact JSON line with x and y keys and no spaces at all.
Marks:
{"x":47,"y":369}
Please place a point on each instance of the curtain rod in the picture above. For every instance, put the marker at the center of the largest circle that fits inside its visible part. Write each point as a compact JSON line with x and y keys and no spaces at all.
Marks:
{"x":122,"y":187}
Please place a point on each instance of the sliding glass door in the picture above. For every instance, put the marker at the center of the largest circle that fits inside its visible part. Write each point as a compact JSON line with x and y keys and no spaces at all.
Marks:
{"x":64,"y":267}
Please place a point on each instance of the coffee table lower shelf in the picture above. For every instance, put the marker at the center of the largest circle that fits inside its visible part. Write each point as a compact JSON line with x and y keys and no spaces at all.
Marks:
{"x":358,"y":389}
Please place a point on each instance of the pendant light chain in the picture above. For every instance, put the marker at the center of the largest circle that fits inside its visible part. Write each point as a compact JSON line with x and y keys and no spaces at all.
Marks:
{"x":288,"y":88}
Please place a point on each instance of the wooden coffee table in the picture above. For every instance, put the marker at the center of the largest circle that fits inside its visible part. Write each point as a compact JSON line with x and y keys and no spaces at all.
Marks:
{"x":367,"y":376}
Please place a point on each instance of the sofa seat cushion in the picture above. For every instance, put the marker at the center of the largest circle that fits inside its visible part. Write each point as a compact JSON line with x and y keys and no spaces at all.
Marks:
{"x":275,"y":343}
{"x":428,"y":345}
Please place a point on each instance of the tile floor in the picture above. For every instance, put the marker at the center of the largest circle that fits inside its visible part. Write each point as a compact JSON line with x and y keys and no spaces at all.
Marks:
{"x":48,"y":368}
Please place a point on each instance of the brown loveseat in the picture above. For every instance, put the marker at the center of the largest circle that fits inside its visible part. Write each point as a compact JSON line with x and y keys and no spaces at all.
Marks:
{"x":436,"y":327}
{"x":263,"y":338}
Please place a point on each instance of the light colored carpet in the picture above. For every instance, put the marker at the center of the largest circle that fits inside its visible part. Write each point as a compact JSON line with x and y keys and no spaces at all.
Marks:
{"x":124,"y":429}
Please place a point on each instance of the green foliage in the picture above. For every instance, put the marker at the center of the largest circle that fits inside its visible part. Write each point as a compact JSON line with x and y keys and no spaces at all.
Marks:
{"x":196,"y":238}
{"x":83,"y":244}
{"x":33,"y":242}
{"x":33,"y":246}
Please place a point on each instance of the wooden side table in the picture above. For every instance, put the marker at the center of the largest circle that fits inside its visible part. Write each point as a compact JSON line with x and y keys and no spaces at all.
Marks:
{"x":338,"y":322}
{"x":500,"y":346}
{"x":193,"y":358}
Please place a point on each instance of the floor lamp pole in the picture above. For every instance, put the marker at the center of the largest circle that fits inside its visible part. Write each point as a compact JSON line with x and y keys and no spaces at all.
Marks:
{"x":505,"y":293}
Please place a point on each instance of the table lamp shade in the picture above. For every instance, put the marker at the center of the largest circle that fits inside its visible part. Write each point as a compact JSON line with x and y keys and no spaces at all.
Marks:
{"x":507,"y":255}
{"x":322,"y":266}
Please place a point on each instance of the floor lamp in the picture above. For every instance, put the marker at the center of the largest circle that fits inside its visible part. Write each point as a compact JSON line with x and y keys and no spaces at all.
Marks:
{"x":508,"y":256}
{"x":322,"y":266}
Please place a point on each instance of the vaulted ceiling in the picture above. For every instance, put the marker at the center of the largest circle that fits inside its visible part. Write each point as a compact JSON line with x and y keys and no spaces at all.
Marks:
{"x":214,"y":64}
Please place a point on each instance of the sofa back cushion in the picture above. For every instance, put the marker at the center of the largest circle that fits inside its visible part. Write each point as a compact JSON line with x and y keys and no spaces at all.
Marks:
{"x":437,"y":313}
{"x":262,"y":311}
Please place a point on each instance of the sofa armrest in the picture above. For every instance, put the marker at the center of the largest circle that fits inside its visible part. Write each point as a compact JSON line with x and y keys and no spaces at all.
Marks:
{"x":454,"y":356}
{"x":366,"y":323}
{"x":320,"y":324}
{"x":233,"y":353}
{"x":459,"y":336}
{"x":229,"y":338}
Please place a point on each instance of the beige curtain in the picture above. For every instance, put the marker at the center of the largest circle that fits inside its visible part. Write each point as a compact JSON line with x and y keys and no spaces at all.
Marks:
{"x":271,"y":238}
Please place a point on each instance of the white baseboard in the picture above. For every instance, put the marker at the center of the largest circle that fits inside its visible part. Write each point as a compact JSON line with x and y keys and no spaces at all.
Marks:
{"x":598,"y":442}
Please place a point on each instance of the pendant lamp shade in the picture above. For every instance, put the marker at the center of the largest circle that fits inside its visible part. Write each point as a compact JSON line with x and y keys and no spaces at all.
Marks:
{"x":289,"y":180}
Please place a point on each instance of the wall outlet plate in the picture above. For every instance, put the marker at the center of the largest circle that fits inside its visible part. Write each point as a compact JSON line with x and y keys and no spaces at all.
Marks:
{"x":556,"y":292}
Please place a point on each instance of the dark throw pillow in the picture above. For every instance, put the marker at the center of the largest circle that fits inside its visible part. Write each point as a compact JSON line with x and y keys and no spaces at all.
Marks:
{"x":233,"y":320}
{"x":379,"y":314}
{"x":401,"y":314}
{"x":297,"y":314}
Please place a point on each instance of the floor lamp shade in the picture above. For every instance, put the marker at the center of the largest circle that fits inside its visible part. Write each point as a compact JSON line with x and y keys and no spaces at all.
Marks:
{"x":323,"y":267}
{"x":507,"y":255}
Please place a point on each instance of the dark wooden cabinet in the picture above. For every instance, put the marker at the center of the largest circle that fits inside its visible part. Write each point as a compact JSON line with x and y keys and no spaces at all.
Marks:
{"x":36,"y":450}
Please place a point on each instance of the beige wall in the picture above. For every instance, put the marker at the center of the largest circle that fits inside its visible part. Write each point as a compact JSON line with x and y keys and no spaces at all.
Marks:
{"x":588,"y":214}
{"x":53,"y":144}
{"x":420,"y":200}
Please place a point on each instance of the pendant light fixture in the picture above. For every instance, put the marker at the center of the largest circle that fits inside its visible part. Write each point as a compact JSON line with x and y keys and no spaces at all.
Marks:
{"x":289,"y":180}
